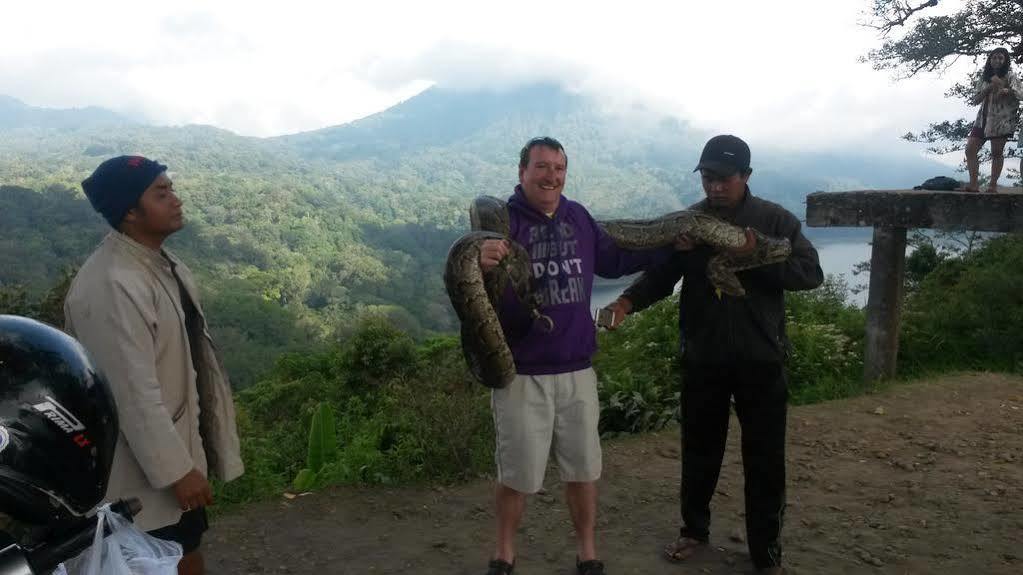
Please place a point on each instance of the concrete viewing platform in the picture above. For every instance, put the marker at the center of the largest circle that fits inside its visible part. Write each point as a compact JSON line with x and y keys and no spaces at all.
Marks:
{"x":891,"y":213}
{"x":983,"y":211}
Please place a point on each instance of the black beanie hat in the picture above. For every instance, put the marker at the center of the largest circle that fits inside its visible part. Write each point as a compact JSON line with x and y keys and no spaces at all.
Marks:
{"x":116,"y":185}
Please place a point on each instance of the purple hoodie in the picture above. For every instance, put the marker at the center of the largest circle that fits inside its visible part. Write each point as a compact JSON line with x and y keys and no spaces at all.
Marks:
{"x":566,"y":250}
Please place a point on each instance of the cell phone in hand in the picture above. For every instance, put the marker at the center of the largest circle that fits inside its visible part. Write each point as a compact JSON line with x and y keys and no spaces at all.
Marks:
{"x":605,"y":317}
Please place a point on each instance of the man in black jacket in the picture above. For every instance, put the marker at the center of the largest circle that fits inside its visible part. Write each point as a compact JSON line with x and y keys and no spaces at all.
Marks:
{"x":732,"y":347}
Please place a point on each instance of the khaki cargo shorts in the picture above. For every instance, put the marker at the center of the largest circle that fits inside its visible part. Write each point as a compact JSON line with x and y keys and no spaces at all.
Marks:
{"x":536,"y":412}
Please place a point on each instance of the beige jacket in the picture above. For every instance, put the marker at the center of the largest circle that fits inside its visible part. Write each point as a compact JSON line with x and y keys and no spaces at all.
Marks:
{"x":124,"y":307}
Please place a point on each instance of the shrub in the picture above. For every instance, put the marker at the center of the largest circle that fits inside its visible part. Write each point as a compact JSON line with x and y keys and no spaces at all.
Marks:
{"x":403,"y":414}
{"x":826,"y":335}
{"x":377,"y":351}
{"x":823,"y":363}
{"x":967,"y":313}
{"x":638,"y":369}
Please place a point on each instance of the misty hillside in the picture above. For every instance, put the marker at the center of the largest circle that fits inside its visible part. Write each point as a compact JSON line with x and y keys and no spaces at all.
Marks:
{"x":454,"y":144}
{"x":647,"y":157}
{"x":441,"y":119}
{"x":308,"y":231}
{"x":16,"y":114}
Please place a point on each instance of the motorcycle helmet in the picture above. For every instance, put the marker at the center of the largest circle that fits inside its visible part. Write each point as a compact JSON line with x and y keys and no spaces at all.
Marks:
{"x":58,"y":425}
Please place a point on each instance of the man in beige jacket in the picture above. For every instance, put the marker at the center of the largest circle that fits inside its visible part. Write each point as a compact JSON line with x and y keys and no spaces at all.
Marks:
{"x":135,"y":308}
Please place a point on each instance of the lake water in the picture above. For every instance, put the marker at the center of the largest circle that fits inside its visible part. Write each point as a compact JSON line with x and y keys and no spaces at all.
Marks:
{"x":837,"y":258}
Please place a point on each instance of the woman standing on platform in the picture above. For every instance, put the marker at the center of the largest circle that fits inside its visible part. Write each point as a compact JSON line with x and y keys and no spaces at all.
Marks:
{"x":998,"y":91}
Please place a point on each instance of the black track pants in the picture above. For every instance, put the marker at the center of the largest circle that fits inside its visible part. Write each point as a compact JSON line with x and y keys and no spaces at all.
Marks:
{"x":760,"y":403}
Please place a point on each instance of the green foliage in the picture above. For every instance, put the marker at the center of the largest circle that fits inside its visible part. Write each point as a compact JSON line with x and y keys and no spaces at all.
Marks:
{"x":823,"y":364}
{"x":378,"y":351}
{"x":921,"y":262}
{"x":638,"y":369}
{"x":305,"y":480}
{"x":14,"y":300}
{"x":51,"y":305}
{"x":269,"y":453}
{"x":322,"y":440}
{"x":44,"y":233}
{"x":441,"y":431}
{"x":636,"y":406}
{"x":404,"y":413}
{"x":48,"y":308}
{"x":253,"y":331}
{"x":967,"y":313}
{"x":322,"y":451}
{"x":826,"y":343}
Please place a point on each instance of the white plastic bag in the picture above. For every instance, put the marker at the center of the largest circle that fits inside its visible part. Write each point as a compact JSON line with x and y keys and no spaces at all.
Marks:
{"x":126,"y":551}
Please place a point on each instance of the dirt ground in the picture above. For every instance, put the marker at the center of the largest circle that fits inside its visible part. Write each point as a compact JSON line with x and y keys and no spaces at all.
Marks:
{"x":921,"y":478}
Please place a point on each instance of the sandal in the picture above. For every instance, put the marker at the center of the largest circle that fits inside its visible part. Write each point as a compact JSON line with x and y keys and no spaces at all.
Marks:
{"x":991,"y":190}
{"x":591,"y":567}
{"x":499,"y":567}
{"x":683,"y":548}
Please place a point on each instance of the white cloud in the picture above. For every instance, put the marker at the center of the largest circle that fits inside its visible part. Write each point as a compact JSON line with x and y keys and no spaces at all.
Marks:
{"x":779,"y":72}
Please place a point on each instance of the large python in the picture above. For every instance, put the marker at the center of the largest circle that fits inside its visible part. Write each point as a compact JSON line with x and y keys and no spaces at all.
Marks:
{"x":475,"y":294}
{"x":706,"y":229}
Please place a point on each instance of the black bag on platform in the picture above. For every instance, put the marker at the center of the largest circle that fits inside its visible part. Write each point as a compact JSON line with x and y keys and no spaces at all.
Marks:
{"x":940,"y":183}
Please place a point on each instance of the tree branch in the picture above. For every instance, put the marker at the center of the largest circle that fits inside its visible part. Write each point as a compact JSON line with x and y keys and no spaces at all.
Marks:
{"x":901,"y":12}
{"x":932,"y":43}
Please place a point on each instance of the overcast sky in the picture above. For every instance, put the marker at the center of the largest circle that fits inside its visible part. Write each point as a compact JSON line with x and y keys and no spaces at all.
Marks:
{"x":784,"y":72}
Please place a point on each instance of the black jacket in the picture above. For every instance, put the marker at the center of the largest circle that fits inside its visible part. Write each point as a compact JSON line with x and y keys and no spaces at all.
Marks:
{"x":717,"y":328}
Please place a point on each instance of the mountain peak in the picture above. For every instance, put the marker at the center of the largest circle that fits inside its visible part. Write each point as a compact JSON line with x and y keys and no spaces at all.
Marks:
{"x":11,"y":103}
{"x":443,"y":116}
{"x":16,"y":114}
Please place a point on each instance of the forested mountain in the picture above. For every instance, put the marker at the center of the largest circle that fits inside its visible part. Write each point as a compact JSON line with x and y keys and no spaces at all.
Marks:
{"x":16,"y":114}
{"x":296,"y":236}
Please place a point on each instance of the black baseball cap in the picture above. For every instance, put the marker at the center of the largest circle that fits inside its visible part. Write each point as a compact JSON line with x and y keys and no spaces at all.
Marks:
{"x":724,"y":155}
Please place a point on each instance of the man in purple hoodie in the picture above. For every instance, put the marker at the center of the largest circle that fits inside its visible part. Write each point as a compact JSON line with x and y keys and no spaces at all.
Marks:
{"x":553,"y":399}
